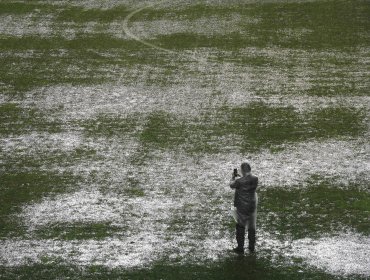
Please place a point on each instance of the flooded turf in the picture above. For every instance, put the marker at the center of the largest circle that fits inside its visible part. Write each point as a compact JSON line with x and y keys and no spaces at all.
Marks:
{"x":121,"y":121}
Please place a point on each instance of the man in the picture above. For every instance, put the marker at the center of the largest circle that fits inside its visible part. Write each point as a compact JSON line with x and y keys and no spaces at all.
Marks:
{"x":245,"y":207}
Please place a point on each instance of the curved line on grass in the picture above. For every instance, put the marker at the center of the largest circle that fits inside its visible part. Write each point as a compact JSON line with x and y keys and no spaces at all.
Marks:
{"x":128,"y":32}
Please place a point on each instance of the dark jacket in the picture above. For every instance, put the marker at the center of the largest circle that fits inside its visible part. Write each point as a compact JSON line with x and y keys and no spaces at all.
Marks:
{"x":245,"y":190}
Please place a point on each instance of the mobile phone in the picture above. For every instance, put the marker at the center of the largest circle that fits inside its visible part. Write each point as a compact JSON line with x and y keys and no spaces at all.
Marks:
{"x":235,"y":172}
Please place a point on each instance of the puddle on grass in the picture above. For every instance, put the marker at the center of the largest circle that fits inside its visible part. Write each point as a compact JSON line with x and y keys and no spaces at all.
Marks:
{"x":40,"y":143}
{"x":208,"y":26}
{"x":160,"y":4}
{"x":174,"y":188}
{"x":23,"y":25}
{"x":114,"y":159}
{"x":94,"y":206}
{"x":343,"y":254}
{"x":184,"y":100}
{"x":169,"y":182}
{"x":87,"y":102}
{"x":47,"y":26}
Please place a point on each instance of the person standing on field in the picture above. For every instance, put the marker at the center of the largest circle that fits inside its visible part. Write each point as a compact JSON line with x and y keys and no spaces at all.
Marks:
{"x":245,"y":207}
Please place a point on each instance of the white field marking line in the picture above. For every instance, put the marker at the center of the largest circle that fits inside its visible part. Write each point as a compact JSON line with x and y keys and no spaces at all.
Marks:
{"x":128,"y":32}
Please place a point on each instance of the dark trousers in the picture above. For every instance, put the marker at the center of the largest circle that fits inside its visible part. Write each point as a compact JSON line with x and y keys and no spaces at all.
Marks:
{"x":240,"y":237}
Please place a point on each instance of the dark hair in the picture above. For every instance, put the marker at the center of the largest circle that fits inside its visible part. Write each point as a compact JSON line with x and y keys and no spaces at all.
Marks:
{"x":246,"y":167}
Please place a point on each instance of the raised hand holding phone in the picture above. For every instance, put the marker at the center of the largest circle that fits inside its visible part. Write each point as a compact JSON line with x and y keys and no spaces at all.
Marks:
{"x":235,"y":174}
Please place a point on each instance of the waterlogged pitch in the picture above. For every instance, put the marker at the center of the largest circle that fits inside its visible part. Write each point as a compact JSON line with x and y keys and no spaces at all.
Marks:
{"x":121,"y":122}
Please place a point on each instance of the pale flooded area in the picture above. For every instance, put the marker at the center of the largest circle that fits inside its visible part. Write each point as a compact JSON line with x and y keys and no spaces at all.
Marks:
{"x":121,"y":122}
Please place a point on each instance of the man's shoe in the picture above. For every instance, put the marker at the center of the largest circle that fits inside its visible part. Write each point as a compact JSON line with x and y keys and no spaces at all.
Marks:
{"x":251,"y":249}
{"x":238,"y":250}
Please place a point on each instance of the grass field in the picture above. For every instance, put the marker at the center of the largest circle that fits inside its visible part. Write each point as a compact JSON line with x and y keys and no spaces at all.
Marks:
{"x":121,"y":122}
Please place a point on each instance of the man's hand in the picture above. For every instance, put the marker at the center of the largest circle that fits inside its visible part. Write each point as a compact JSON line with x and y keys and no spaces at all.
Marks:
{"x":232,"y":182}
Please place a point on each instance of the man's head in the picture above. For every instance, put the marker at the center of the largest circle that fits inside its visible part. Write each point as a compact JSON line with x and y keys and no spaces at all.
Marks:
{"x":246,"y":168}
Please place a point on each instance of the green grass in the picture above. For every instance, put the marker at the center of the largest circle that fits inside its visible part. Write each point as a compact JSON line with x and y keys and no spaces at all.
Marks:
{"x":325,"y":89}
{"x":330,"y":24}
{"x":15,"y":120}
{"x":133,"y":188}
{"x":16,"y":162}
{"x":185,"y":218}
{"x":255,"y":126}
{"x":324,"y":41}
{"x":17,"y":189}
{"x":80,"y":65}
{"x":334,"y":24}
{"x":80,"y":42}
{"x":232,"y":267}
{"x":79,"y":14}
{"x":161,"y":130}
{"x":18,"y":8}
{"x":260,"y":126}
{"x":29,"y":73}
{"x":312,"y":212}
{"x":335,"y":121}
